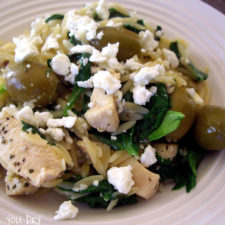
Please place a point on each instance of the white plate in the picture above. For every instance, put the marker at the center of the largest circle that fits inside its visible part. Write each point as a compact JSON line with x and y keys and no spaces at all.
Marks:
{"x":203,"y":28}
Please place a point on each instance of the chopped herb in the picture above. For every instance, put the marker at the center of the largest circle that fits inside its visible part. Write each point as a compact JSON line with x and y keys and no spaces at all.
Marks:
{"x":141,"y":22}
{"x":115,"y":13}
{"x":54,"y":17}
{"x":182,"y":169}
{"x":128,"y":96}
{"x":96,"y":17}
{"x":84,"y":74}
{"x":74,"y":41}
{"x":124,"y":141}
{"x":133,"y":28}
{"x":186,"y":63}
{"x":49,"y":63}
{"x":26,"y":127}
{"x":97,"y":196}
{"x":2,"y":89}
{"x":158,"y":28}
{"x":170,"y":123}
{"x":158,"y":107}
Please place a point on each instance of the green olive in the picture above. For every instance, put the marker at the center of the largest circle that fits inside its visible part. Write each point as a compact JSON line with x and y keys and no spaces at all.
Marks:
{"x":32,"y":81}
{"x":129,"y":42}
{"x":182,"y":102}
{"x":209,"y":128}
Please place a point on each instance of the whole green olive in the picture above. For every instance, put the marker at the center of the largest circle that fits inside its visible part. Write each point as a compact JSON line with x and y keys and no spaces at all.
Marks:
{"x":181,"y":101}
{"x":209,"y":127}
{"x":32,"y":81}
{"x":129,"y":42}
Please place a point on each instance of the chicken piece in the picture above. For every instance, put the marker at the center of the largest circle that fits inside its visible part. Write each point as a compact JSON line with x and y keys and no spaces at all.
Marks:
{"x":146,"y":181}
{"x":103,"y":114}
{"x":37,"y":161}
{"x":17,"y":185}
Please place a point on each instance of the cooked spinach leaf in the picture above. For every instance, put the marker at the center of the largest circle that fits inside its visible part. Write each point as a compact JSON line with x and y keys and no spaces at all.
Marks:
{"x":170,"y":123}
{"x":49,"y":63}
{"x":54,"y":17}
{"x":141,"y":22}
{"x":132,"y":28}
{"x":157,"y":37}
{"x":96,"y":17}
{"x":84,"y":74}
{"x":115,"y":13}
{"x":124,"y":141}
{"x":2,"y":89}
{"x":28,"y":127}
{"x":98,"y":196}
{"x":182,"y":169}
{"x":158,"y":107}
{"x":74,"y":41}
{"x":194,"y":72}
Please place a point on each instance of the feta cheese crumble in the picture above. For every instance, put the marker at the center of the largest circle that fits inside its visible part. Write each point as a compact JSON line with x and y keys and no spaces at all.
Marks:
{"x":61,"y":64}
{"x":25,"y":47}
{"x":142,"y":95}
{"x":102,"y":10}
{"x":171,"y":57}
{"x":121,"y":178}
{"x":80,"y":188}
{"x":148,"y":158}
{"x":67,"y":122}
{"x":56,"y":133}
{"x":148,"y":42}
{"x":197,"y":98}
{"x":50,"y":43}
{"x":74,"y":70}
{"x":66,"y":211}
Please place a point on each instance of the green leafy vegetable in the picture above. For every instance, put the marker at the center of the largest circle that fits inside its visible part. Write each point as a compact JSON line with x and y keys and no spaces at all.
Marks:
{"x":54,"y":17}
{"x":133,"y":28}
{"x":115,"y":13}
{"x":183,"y":168}
{"x":158,"y":28}
{"x":194,"y":72}
{"x":158,"y":107}
{"x":2,"y":89}
{"x":28,"y":127}
{"x":170,"y":123}
{"x":124,"y":141}
{"x":141,"y":22}
{"x":74,"y":41}
{"x":84,"y":74}
{"x":49,"y":63}
{"x":97,"y":196}
{"x":96,"y":17}
{"x":128,"y":96}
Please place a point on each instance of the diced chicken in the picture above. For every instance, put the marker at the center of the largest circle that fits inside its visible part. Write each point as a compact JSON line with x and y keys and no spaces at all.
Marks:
{"x":146,"y":182}
{"x":17,"y":185}
{"x":103,"y":114}
{"x":35,"y":160}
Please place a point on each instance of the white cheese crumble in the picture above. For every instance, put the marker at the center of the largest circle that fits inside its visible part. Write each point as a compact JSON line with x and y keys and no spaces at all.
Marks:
{"x":142,"y":95}
{"x":171,"y":57}
{"x":86,"y":84}
{"x":105,"y":80}
{"x":67,"y":122}
{"x":96,"y":183}
{"x":112,"y":23}
{"x":26,"y":47}
{"x":66,"y":211}
{"x":114,"y":138}
{"x":56,"y":133}
{"x":121,"y":178}
{"x":146,"y":74}
{"x":102,"y":10}
{"x":197,"y":98}
{"x":111,"y":50}
{"x":132,"y":64}
{"x":74,"y":70}
{"x":50,"y":43}
{"x":61,"y":64}
{"x":148,"y":42}
{"x":82,"y":49}
{"x":82,"y":187}
{"x":100,"y":35}
{"x":148,"y":158}
{"x":82,"y":27}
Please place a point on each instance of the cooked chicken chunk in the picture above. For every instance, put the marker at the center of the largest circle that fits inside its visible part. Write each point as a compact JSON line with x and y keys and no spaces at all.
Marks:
{"x":37,"y":161}
{"x":146,"y":181}
{"x":103,"y":114}
{"x":17,"y":185}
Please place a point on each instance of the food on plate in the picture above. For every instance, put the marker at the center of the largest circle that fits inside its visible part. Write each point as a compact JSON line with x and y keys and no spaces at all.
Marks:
{"x":103,"y":108}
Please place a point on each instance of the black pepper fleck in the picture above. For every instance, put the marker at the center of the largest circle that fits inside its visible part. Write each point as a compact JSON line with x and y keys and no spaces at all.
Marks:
{"x":14,"y":186}
{"x":7,"y":118}
{"x":31,"y":170}
{"x":11,"y":156}
{"x":16,"y":163}
{"x":8,"y":187}
{"x":26,"y":184}
{"x":24,"y":159}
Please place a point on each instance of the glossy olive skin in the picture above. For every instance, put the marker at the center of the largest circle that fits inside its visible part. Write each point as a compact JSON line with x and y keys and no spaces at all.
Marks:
{"x":182,"y":102}
{"x":32,"y":82}
{"x":129,"y":42}
{"x":209,"y":128}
